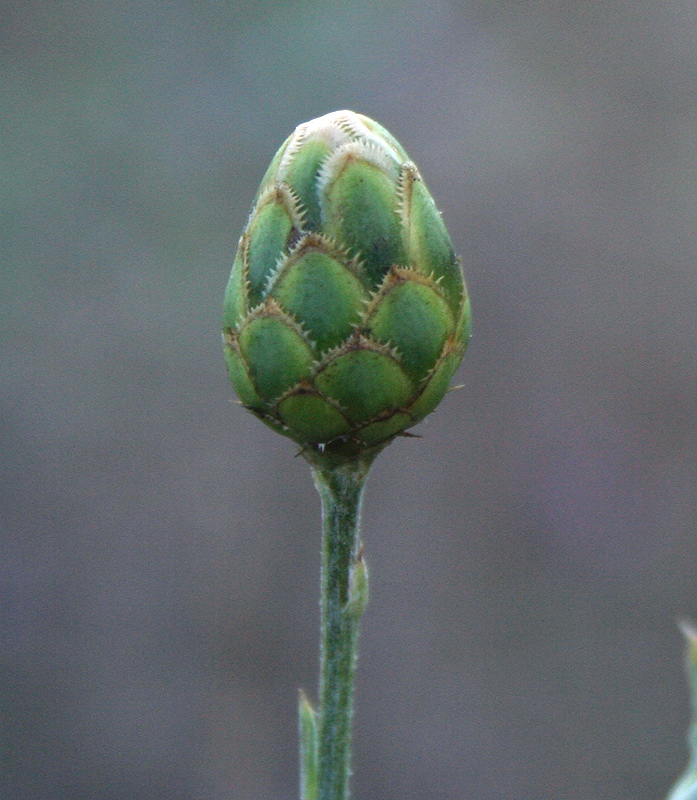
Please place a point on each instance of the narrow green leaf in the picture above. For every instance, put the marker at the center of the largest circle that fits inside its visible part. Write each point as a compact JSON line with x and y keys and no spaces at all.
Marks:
{"x":307,"y":719}
{"x":686,"y":787}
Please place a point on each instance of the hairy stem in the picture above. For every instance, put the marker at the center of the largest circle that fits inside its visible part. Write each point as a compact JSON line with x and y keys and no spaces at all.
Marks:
{"x":344,"y":594}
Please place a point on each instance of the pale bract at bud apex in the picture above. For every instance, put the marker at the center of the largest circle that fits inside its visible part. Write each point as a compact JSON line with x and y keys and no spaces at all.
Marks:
{"x":346,"y":313}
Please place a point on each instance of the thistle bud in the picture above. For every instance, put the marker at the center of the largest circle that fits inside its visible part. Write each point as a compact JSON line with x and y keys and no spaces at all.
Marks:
{"x":346,"y":313}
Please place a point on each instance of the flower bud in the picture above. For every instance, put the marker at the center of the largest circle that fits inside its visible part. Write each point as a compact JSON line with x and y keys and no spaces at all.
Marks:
{"x":346,"y":313}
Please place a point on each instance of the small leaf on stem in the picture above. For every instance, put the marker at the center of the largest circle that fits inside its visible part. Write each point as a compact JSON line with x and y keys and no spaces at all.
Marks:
{"x":358,"y":587}
{"x":307,"y":718}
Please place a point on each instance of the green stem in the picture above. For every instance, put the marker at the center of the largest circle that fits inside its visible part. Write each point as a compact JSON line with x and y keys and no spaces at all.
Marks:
{"x":344,"y":594}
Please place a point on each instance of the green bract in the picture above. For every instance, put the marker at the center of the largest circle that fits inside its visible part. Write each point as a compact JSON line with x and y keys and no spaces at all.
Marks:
{"x":346,"y":313}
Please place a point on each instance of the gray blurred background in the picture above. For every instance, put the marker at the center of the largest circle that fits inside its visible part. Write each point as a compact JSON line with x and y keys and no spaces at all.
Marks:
{"x":159,"y":549}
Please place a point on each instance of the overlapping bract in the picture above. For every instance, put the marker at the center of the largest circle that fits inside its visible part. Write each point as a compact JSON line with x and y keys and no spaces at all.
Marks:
{"x":346,"y":312}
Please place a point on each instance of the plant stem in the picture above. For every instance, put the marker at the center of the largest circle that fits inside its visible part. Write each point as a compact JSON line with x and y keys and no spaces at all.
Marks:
{"x":344,"y":594}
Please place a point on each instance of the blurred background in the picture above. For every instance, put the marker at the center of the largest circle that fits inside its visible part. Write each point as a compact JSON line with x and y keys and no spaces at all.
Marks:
{"x":530,"y":555}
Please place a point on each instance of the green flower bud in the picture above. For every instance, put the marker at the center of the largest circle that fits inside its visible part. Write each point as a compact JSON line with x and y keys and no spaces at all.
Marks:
{"x":346,"y":313}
